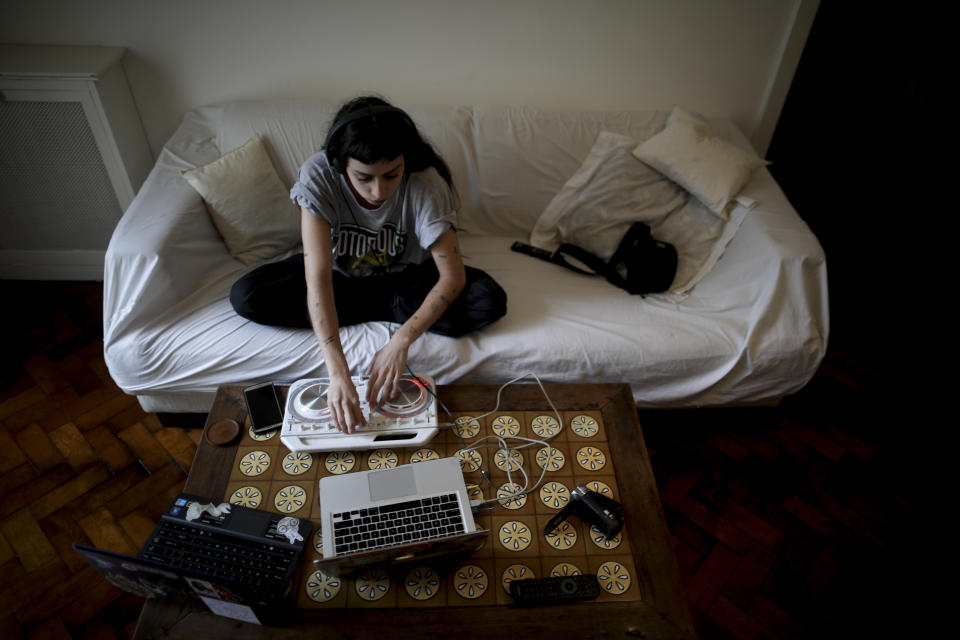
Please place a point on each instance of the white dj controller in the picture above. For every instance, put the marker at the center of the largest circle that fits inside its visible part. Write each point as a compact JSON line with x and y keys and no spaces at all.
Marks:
{"x":408,"y":419}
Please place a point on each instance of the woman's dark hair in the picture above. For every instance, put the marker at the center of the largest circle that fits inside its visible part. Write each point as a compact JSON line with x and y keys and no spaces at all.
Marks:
{"x":369,"y":129}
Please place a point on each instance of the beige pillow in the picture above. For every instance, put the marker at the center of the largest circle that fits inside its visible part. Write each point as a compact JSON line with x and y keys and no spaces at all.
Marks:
{"x":248,"y":203}
{"x":689,"y":153}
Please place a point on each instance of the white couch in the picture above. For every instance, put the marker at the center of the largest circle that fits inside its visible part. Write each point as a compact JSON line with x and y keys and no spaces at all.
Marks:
{"x":748,"y":324}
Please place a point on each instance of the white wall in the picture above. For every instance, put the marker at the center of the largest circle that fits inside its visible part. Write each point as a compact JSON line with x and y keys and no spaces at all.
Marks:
{"x":729,"y":58}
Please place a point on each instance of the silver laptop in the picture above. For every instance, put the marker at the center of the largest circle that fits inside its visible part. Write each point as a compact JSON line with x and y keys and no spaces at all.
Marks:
{"x":406,"y":513}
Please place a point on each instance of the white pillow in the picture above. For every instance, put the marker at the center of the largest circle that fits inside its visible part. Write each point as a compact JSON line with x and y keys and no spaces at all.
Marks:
{"x":609,"y":191}
{"x":248,"y":203}
{"x":689,"y":153}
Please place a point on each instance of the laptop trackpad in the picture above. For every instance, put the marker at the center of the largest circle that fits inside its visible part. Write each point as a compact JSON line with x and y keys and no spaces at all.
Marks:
{"x":392,"y":483}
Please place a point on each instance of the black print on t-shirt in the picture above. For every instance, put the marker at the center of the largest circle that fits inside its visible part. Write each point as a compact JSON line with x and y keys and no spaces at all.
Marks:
{"x":357,"y":246}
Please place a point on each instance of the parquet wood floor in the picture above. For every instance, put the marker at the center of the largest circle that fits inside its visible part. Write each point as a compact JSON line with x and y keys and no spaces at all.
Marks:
{"x":819,"y":518}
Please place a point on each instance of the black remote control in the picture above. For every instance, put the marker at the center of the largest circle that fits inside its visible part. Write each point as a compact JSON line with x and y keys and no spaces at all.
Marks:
{"x":554,"y":590}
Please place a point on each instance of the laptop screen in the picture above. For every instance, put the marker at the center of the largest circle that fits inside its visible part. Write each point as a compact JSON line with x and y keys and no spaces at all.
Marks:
{"x":151,"y":579}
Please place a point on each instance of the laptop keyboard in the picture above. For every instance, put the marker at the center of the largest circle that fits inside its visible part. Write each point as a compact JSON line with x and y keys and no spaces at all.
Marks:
{"x":397,"y":524}
{"x":260,"y":566}
{"x":225,"y":547}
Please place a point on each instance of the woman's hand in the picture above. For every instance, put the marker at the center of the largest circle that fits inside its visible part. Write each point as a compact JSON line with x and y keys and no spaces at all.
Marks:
{"x":344,"y":404}
{"x":386,"y":368}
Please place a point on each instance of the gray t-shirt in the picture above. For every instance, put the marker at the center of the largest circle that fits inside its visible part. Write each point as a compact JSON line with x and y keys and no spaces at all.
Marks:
{"x":397,"y":234}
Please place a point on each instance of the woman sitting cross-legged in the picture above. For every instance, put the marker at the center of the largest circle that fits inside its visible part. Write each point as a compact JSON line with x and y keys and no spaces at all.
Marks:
{"x":378,"y":222}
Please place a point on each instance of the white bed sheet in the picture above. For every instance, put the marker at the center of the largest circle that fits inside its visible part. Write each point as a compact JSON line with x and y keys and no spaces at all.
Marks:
{"x":754,"y":328}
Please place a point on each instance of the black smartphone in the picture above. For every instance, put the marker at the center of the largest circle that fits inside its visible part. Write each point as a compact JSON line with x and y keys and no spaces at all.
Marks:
{"x":263,"y":407}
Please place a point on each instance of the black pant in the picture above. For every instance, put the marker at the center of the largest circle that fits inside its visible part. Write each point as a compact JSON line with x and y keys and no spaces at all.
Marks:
{"x":275,"y":294}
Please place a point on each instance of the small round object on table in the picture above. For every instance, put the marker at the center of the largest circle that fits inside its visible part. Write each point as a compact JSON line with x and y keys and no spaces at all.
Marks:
{"x":223,"y":432}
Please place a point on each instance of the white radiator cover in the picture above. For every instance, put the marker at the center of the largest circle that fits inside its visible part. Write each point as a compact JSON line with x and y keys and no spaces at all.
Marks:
{"x":73,"y":156}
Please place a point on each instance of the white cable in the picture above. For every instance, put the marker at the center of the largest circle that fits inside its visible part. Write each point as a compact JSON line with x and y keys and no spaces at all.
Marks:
{"x":521,"y":377}
{"x":527,"y":489}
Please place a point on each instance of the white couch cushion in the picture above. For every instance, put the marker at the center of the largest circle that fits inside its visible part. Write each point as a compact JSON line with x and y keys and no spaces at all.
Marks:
{"x":507,"y":161}
{"x":521,"y":157}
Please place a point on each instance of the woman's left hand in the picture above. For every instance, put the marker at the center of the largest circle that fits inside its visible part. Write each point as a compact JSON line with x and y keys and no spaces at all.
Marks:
{"x":390,"y":362}
{"x":386,"y":369}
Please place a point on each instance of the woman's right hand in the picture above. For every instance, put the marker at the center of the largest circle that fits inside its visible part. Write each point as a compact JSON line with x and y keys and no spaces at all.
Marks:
{"x":344,"y":404}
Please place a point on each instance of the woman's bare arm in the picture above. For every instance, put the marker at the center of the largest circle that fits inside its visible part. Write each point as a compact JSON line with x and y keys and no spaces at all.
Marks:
{"x":342,"y":395}
{"x":390,"y":362}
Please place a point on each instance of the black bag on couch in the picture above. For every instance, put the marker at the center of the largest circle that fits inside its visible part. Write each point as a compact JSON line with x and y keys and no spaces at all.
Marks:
{"x":640,"y":265}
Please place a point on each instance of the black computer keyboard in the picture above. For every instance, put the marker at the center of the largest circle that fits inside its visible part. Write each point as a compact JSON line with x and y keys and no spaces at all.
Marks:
{"x":396,"y":524}
{"x":242,"y":545}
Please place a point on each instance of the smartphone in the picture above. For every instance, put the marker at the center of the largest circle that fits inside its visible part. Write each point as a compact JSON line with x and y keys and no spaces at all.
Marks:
{"x":263,"y":407}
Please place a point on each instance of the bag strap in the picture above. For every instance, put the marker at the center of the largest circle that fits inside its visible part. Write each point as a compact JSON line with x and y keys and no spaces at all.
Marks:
{"x":628,"y":244}
{"x":599,"y":267}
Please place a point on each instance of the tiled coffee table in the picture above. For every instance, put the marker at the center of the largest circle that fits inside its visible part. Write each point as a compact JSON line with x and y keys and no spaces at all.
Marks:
{"x":601,"y":421}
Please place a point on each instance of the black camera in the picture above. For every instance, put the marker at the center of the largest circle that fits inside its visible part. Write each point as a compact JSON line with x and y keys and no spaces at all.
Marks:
{"x":606,"y":514}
